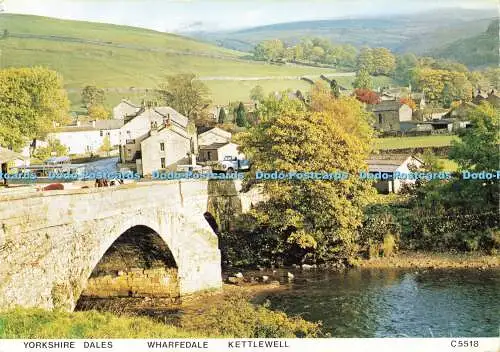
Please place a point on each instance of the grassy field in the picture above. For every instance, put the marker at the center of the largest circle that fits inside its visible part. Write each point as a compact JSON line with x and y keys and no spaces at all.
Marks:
{"x":120,"y":57}
{"x":221,"y":91}
{"x":414,"y":142}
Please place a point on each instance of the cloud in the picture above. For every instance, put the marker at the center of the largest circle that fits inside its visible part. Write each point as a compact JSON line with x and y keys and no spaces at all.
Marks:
{"x":188,"y":15}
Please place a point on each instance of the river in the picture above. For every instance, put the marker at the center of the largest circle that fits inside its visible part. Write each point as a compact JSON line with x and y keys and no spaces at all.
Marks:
{"x":396,"y":303}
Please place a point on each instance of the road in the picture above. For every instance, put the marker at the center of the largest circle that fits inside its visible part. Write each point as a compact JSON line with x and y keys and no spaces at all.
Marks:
{"x":102,"y":165}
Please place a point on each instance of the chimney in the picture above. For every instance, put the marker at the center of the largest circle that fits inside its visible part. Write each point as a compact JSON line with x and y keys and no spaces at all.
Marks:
{"x":93,"y":124}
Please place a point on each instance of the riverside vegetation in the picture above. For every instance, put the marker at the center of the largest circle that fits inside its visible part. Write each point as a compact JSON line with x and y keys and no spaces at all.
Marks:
{"x":229,"y":316}
{"x":337,"y":223}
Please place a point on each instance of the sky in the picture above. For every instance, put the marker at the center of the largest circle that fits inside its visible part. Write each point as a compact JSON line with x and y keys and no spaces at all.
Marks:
{"x":205,"y":15}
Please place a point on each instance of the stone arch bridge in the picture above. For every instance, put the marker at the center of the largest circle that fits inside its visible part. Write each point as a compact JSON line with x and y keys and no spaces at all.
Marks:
{"x":50,"y":242}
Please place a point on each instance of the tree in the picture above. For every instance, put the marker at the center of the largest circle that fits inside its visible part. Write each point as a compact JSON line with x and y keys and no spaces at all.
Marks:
{"x":98,"y":112}
{"x":53,"y":148}
{"x":106,"y":145}
{"x":410,"y":102}
{"x":305,"y":219}
{"x":91,"y":95}
{"x":384,"y":62}
{"x":222,"y":116}
{"x":334,"y":86}
{"x":186,"y":94}
{"x":32,"y":100}
{"x":363,"y":80}
{"x":257,"y":93}
{"x":366,"y":96}
{"x":317,"y":54}
{"x":443,"y":87}
{"x":365,"y":61}
{"x":241,"y":118}
{"x":269,"y":50}
{"x":405,"y":64}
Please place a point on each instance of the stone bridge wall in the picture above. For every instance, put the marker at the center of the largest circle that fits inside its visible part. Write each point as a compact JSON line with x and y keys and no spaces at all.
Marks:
{"x":51,"y":241}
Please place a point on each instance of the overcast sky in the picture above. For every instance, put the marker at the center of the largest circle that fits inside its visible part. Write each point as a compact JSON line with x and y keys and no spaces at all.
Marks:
{"x":183,"y":15}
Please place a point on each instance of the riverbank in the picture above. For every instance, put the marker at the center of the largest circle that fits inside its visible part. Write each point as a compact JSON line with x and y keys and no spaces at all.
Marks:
{"x":434,"y":260}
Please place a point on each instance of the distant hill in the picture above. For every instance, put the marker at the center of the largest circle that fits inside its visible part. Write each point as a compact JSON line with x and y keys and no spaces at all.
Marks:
{"x":417,"y":33}
{"x":127,"y":60}
{"x":475,"y":51}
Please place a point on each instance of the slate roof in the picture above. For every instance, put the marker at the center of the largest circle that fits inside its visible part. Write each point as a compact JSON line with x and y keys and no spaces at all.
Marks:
{"x":387,"y":163}
{"x":386,"y":105}
{"x":112,"y":124}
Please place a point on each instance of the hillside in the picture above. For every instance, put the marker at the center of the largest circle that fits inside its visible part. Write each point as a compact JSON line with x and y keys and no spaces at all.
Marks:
{"x":479,"y":50}
{"x":417,"y":33}
{"x":121,"y":57}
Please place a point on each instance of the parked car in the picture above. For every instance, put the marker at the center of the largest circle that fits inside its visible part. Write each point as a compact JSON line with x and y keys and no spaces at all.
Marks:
{"x":232,"y":164}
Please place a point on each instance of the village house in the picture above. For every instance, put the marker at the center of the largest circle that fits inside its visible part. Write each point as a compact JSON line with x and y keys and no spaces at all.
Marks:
{"x":125,"y":109}
{"x":10,"y":159}
{"x":214,"y":144}
{"x":461,"y":112}
{"x":389,"y":164}
{"x":210,"y":135}
{"x":155,"y":139}
{"x":389,"y":114}
{"x":87,"y":137}
{"x":218,"y":151}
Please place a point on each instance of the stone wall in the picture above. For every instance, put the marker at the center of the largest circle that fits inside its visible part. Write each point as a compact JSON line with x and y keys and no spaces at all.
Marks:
{"x":51,"y":242}
{"x":157,"y":282}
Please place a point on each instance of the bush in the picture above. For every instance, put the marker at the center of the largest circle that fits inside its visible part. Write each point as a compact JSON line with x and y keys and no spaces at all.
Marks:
{"x":240,"y":319}
{"x":380,"y":233}
{"x":389,"y":245}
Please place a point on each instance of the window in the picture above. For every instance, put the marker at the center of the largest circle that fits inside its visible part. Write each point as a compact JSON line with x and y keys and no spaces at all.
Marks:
{"x":101,"y":133}
{"x":162,"y":147}
{"x":380,"y":119}
{"x":162,"y":161}
{"x":209,"y":156}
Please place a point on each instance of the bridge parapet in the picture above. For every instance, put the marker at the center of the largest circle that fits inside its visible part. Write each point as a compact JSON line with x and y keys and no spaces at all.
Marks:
{"x":51,"y":241}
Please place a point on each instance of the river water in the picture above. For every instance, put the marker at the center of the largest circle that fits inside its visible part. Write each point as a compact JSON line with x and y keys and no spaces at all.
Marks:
{"x":396,"y":303}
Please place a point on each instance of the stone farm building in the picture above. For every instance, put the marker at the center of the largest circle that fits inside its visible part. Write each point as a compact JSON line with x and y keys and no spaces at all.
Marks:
{"x":389,"y":114}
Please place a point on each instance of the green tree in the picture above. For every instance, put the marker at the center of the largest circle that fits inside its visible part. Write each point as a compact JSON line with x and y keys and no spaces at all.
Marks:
{"x":53,"y":148}
{"x":365,"y":61}
{"x":257,"y":93}
{"x":363,"y":80}
{"x":98,"y":112}
{"x":269,"y":50}
{"x":186,"y":94}
{"x":222,"y":116}
{"x":91,"y":95}
{"x":384,"y":62}
{"x":443,"y":87}
{"x":311,"y":220}
{"x":477,"y":150}
{"x":241,"y":116}
{"x":32,"y":100}
{"x":106,"y":145}
{"x":405,"y":64}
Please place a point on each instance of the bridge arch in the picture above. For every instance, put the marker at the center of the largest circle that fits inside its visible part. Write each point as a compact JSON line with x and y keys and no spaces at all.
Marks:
{"x":138,"y":263}
{"x":51,"y":243}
